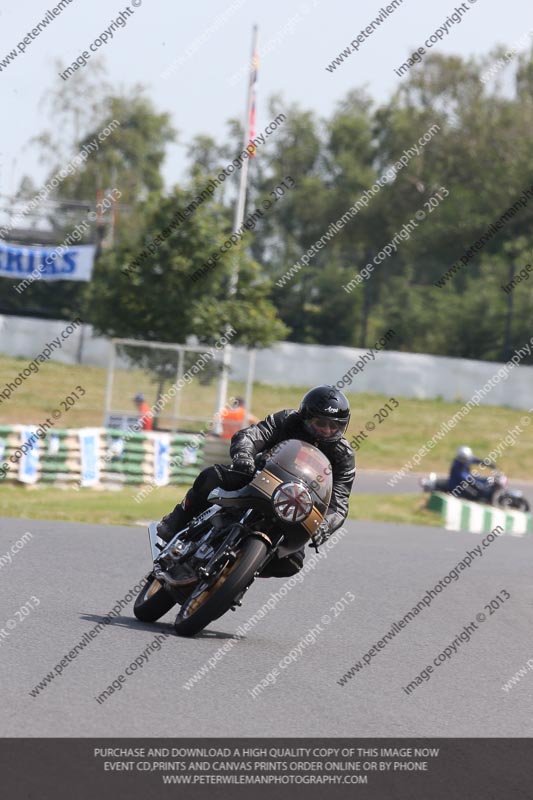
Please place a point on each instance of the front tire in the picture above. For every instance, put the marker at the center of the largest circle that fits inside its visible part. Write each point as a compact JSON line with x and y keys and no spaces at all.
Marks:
{"x":153,"y":601}
{"x":520,"y":504}
{"x":207,"y":603}
{"x":516,"y":505}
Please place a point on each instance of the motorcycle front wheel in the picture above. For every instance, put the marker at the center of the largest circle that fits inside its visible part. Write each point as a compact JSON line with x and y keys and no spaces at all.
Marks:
{"x":212,"y":599}
{"x":520,"y":504}
{"x":153,"y":601}
{"x":515,"y":504}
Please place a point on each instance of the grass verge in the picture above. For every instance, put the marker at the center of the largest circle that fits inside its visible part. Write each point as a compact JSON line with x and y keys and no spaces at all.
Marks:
{"x":119,"y":508}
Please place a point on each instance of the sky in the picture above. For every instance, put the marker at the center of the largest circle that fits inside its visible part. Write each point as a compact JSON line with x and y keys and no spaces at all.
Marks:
{"x":191,"y":56}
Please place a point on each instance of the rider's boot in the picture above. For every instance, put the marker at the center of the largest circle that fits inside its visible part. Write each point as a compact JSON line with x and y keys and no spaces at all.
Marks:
{"x":178,"y":518}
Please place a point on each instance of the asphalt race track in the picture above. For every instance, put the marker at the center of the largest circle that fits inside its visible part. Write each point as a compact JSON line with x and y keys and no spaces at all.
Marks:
{"x":375,"y":482}
{"x":78,"y":572}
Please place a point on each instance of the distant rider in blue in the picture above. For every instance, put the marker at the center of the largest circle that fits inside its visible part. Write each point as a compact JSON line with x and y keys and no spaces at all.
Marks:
{"x":461,"y":482}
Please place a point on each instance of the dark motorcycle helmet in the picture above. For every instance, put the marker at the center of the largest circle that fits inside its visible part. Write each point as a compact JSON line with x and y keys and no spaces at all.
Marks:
{"x":325,"y":412}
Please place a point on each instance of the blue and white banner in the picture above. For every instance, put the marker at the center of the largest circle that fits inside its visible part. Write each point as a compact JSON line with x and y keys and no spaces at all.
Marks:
{"x":29,"y":454}
{"x":73,"y":263}
{"x":189,"y":455}
{"x":90,"y":456}
{"x":162,"y":459}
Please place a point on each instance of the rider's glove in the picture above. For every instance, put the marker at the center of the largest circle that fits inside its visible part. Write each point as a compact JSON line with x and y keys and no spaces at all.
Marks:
{"x":243,"y":462}
{"x":323,"y":533}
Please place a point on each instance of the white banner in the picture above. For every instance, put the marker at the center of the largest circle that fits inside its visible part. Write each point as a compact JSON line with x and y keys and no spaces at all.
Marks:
{"x":73,"y":263}
{"x":29,"y":458}
{"x":89,"y":456}
{"x":162,"y":459}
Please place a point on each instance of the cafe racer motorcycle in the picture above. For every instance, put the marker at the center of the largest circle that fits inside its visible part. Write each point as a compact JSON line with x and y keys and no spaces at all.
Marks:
{"x":209,"y":565}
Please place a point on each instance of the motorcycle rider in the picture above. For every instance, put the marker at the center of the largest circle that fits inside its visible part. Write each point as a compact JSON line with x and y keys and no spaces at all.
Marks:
{"x":461,"y":482}
{"x":321,"y":420}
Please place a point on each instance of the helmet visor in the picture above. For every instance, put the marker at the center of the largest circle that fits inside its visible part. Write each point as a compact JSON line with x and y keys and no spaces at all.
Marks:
{"x":326,"y":429}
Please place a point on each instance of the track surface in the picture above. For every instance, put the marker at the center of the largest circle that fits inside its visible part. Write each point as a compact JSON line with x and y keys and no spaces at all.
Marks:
{"x":78,"y":572}
{"x":375,"y":482}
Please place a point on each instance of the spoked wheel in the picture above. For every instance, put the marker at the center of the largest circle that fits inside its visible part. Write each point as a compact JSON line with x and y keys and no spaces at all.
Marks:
{"x":210,"y":600}
{"x":153,"y":601}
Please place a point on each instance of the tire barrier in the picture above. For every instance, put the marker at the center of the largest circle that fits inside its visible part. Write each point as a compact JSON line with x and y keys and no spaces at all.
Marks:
{"x":463,"y":515}
{"x":97,"y":457}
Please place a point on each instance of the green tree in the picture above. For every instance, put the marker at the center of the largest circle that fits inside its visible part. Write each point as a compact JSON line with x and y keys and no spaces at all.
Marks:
{"x":160,"y":301}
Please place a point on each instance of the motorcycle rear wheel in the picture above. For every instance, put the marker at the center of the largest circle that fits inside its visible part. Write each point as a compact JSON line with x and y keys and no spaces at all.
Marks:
{"x":208,"y":602}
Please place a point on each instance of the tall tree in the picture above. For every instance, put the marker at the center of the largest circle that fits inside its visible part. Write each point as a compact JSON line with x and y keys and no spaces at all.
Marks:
{"x":177,"y":288}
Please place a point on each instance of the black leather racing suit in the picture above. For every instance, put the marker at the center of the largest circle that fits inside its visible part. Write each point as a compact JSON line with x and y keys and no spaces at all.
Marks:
{"x":252,"y":441}
{"x":288,"y":424}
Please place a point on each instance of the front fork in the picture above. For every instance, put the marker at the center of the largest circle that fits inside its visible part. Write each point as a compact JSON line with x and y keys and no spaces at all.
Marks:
{"x":227,"y":550}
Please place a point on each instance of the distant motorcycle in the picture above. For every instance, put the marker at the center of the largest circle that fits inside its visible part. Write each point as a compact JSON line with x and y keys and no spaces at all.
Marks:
{"x":494,"y":491}
{"x":209,"y":565}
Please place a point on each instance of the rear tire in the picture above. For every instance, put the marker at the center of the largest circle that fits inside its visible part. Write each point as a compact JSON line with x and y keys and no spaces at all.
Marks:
{"x":153,"y":602}
{"x":211,"y":602}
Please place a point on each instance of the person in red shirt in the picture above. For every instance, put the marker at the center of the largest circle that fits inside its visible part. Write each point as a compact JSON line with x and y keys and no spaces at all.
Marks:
{"x":145,"y":415}
{"x":234,"y":419}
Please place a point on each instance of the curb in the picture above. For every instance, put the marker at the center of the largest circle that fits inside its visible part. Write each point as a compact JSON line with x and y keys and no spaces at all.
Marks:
{"x":463,"y":515}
